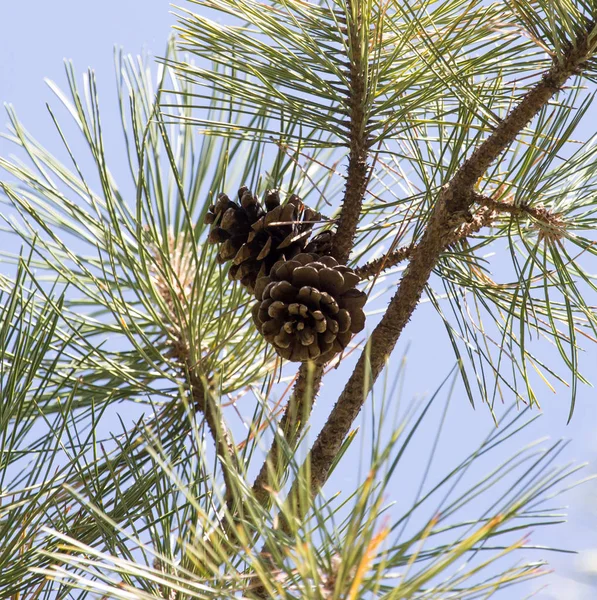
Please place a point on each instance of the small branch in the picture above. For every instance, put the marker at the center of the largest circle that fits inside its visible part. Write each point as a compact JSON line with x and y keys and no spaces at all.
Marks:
{"x":547,"y":221}
{"x":482,"y":218}
{"x":291,"y":424}
{"x":358,"y":171}
{"x":551,"y":224}
{"x":173,"y":276}
{"x":376,"y":266}
{"x":206,"y":404}
{"x":450,"y":215}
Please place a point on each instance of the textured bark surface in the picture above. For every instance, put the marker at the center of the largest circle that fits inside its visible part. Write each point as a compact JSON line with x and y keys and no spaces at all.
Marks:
{"x":358,"y":170}
{"x":356,"y":183}
{"x":381,"y":344}
{"x":342,"y":241}
{"x":451,"y":213}
{"x":460,"y":189}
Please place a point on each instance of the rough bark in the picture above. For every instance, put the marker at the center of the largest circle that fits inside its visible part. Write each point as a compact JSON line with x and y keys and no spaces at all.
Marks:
{"x":358,"y":170}
{"x":451,"y":212}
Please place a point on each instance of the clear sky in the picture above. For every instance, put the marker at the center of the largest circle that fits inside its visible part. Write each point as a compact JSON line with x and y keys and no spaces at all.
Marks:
{"x":37,"y":35}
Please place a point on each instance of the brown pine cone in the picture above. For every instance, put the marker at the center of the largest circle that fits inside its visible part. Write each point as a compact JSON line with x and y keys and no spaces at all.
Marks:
{"x":309,"y":308}
{"x":254,"y":237}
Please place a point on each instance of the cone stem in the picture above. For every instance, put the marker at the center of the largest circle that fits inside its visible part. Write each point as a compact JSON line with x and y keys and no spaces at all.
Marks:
{"x":291,"y":425}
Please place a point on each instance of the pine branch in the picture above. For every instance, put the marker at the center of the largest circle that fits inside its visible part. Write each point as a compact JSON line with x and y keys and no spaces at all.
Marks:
{"x":358,"y":171}
{"x":550,"y":224}
{"x":343,"y":240}
{"x":173,"y":281}
{"x":207,"y":405}
{"x":451,"y":212}
{"x":376,"y":266}
{"x":482,"y":218}
{"x":291,"y":425}
{"x":308,"y":382}
{"x":547,"y":220}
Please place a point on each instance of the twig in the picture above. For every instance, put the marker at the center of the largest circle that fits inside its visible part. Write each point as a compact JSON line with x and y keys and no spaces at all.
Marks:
{"x":291,"y":424}
{"x":357,"y":173}
{"x":482,"y":218}
{"x":387,"y":261}
{"x":206,"y":404}
{"x":450,"y":213}
{"x":547,"y":220}
{"x":173,"y":278}
{"x":550,"y":224}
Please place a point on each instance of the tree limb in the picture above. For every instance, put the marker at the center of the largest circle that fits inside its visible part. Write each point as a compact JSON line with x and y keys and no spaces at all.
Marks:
{"x":292,"y":423}
{"x":451,"y":212}
{"x":343,"y":240}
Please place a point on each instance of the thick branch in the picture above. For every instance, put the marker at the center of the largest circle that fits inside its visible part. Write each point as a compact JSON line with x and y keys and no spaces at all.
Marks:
{"x":292,"y":424}
{"x":382,"y":342}
{"x":450,"y":213}
{"x":357,"y":174}
{"x":460,"y":188}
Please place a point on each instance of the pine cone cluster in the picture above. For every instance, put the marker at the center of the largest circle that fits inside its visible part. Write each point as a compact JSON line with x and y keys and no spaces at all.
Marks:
{"x":255,"y":237}
{"x":308,"y":307}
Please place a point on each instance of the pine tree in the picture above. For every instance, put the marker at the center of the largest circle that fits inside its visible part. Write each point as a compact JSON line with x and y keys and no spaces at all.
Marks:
{"x":302,"y":176}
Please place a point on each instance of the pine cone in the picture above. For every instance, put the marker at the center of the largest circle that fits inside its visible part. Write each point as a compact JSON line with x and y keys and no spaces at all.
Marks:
{"x":309,"y":308}
{"x":254,"y":238}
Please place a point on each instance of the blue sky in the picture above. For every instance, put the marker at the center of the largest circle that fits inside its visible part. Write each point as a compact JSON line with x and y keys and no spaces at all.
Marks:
{"x":37,"y":36}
